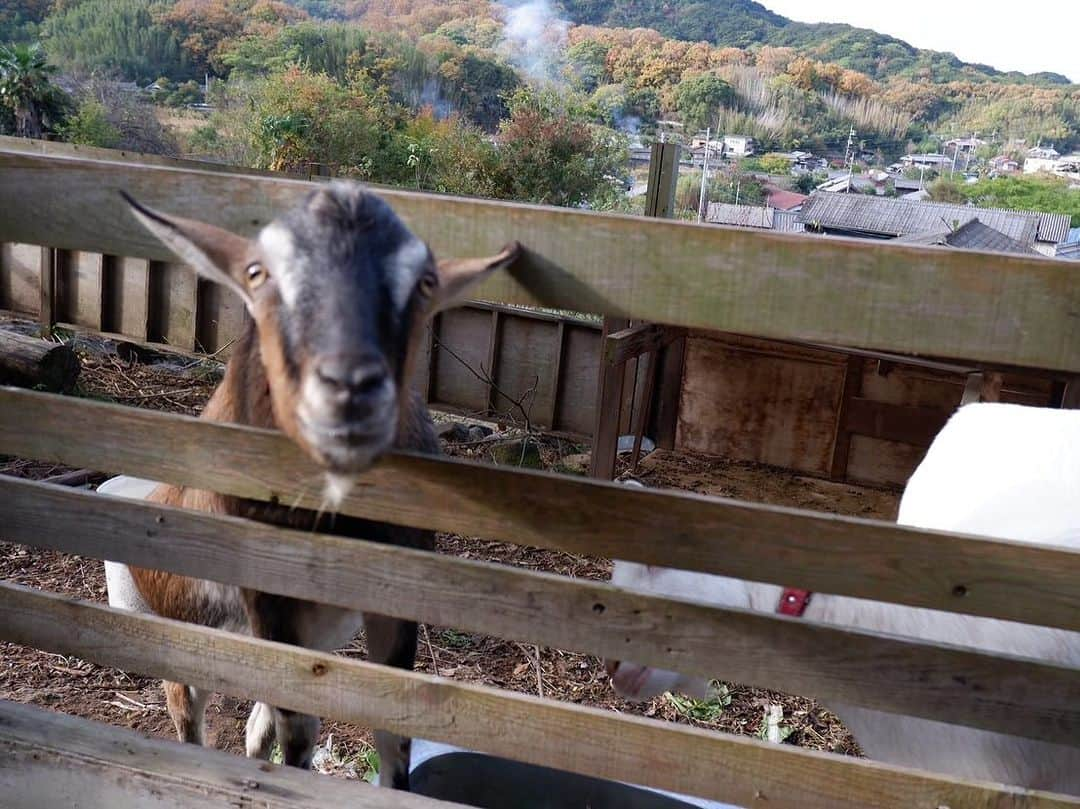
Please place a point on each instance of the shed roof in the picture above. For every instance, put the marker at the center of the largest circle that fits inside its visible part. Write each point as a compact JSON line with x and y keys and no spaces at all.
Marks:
{"x":746,"y":216}
{"x":882,"y":216}
{"x":973,"y":235}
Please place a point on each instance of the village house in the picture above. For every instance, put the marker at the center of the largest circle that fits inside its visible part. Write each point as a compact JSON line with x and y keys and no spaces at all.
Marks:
{"x":965,"y":145}
{"x":738,"y":145}
{"x":927,"y":161}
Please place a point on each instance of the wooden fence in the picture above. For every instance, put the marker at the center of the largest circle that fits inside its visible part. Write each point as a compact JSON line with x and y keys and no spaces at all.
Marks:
{"x":1005,"y":309}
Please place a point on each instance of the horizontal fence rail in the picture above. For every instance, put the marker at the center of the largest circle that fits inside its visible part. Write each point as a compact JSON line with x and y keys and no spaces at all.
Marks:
{"x":583,"y":740}
{"x":48,"y":759}
{"x":1001,"y":693}
{"x":913,"y":300}
{"x":883,"y":561}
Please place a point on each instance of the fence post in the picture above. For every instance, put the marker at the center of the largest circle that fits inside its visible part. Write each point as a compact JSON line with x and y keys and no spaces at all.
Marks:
{"x":47,"y":312}
{"x":659,"y":202}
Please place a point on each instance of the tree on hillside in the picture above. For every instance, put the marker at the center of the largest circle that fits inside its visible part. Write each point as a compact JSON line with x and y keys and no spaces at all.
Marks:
{"x":699,"y":99}
{"x":27,"y":92}
{"x":548,"y":156}
{"x":118,"y":37}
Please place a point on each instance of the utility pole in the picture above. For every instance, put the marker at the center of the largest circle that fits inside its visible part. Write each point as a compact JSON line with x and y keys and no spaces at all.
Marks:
{"x":704,"y":176}
{"x":849,"y":156}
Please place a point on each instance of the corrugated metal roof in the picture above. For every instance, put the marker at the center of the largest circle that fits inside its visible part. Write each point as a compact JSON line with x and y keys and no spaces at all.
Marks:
{"x":972,"y":236}
{"x":883,"y":216}
{"x":744,"y":216}
{"x":787,"y":222}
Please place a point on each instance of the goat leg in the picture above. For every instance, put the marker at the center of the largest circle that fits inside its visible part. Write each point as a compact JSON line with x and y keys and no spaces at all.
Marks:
{"x":392,"y":642}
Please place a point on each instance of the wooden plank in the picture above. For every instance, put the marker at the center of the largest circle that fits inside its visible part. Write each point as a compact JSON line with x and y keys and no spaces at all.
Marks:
{"x":584,"y":740}
{"x":611,"y":381}
{"x":172,"y":302}
{"x":491,"y":369}
{"x":757,"y":401}
{"x":669,"y":396}
{"x":998,"y":578}
{"x":1012,"y":309}
{"x":991,"y":691}
{"x":663,"y":178}
{"x":548,"y":417}
{"x":1070,"y":397}
{"x":20,"y":273}
{"x":641,"y":416}
{"x":631,"y":343}
{"x":994,"y":692}
{"x":62,"y":149}
{"x":575,"y":409}
{"x":462,"y":350}
{"x":48,"y":759}
{"x":126,"y":296}
{"x":907,"y":425}
{"x":523,"y":367}
{"x":47,"y":286}
{"x":852,"y":386}
{"x":79,"y":288}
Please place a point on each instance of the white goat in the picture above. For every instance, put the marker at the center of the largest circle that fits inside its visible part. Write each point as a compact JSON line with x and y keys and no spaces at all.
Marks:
{"x":995,"y":470}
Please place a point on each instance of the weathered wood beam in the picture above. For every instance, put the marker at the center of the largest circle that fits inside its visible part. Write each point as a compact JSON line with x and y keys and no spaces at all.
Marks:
{"x":994,"y":692}
{"x":892,"y":422}
{"x":1014,"y":310}
{"x":584,"y":740}
{"x":1017,"y":581}
{"x":627,"y":344}
{"x":48,"y":759}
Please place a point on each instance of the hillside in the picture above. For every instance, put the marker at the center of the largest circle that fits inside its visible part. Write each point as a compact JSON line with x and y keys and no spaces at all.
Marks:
{"x":744,"y":23}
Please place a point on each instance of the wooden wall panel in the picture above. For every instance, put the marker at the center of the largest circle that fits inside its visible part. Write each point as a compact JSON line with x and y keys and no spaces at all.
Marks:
{"x":79,"y":279}
{"x":20,"y":278}
{"x":525,"y":362}
{"x":220,"y":318}
{"x":465,"y":333}
{"x":873,"y":460}
{"x":576,"y":407}
{"x":755,"y":401}
{"x":126,"y":296}
{"x":173,"y":301}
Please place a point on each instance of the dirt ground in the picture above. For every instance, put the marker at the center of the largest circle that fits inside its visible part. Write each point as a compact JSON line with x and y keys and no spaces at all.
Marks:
{"x":180,"y":385}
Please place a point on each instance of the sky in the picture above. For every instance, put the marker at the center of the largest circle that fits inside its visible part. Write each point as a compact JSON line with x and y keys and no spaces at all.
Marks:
{"x":1048,"y":38}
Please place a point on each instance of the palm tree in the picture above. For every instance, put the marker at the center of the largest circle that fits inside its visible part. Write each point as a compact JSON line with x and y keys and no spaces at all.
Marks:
{"x":27,"y":91}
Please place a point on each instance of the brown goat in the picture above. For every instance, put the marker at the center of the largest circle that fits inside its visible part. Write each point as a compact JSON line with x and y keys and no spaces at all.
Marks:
{"x":339,"y":292}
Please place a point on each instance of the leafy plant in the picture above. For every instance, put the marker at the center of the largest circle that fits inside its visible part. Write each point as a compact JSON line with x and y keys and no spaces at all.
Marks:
{"x":702,"y":710}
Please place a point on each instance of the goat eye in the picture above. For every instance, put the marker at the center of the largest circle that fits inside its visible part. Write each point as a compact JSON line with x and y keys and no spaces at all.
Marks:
{"x":428,"y":283}
{"x":256,"y":274}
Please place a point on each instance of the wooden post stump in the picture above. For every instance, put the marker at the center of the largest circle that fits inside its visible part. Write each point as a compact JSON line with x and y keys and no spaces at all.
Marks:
{"x":28,"y":362}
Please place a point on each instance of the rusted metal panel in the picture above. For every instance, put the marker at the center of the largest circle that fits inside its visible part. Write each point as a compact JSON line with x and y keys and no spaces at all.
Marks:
{"x":751,"y":400}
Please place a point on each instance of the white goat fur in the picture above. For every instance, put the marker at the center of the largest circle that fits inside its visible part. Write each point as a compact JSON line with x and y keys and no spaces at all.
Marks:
{"x":996,"y":470}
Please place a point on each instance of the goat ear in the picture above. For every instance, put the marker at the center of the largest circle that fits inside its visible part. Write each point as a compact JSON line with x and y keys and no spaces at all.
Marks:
{"x":212,"y":252}
{"x":458,"y":276}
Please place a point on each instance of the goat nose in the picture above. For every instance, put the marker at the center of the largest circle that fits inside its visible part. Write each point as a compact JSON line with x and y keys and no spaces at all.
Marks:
{"x":611,"y":666}
{"x":351,"y":376}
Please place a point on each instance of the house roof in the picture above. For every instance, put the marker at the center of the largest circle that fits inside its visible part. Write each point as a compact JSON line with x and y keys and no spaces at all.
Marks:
{"x":972,"y":235}
{"x":881,"y":216}
{"x":785,"y":200}
{"x":907,"y":184}
{"x":746,"y":216}
{"x":787,"y":222}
